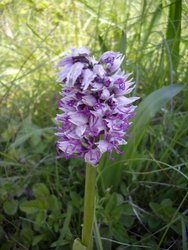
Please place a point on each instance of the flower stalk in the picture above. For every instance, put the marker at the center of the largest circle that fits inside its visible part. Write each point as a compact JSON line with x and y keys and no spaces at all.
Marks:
{"x":89,"y":206}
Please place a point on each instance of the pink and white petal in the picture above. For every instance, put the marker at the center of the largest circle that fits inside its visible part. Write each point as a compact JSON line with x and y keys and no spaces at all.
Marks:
{"x":65,"y":61}
{"x":89,"y":100}
{"x":117,"y":62}
{"x":99,"y":70}
{"x":64,"y":73}
{"x":87,"y":78}
{"x":123,"y":101}
{"x":102,"y":145}
{"x":75,"y":72}
{"x":80,"y":130}
{"x":105,"y":94}
{"x":78,"y":118}
{"x":93,"y":156}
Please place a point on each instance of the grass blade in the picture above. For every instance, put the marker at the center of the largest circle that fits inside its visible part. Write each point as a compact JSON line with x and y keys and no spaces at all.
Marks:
{"x":173,"y":33}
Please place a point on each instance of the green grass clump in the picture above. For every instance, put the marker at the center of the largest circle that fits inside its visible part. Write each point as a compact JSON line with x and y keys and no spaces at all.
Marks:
{"x":142,"y":196}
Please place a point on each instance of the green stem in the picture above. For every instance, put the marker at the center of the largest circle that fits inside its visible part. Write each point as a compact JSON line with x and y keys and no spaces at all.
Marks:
{"x":89,"y":204}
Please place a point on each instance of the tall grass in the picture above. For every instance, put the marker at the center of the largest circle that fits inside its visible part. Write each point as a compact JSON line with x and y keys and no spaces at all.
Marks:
{"x":142,"y":195}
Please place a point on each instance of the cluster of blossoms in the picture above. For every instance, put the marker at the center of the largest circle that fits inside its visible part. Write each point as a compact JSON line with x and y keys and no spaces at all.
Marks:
{"x":95,"y":113}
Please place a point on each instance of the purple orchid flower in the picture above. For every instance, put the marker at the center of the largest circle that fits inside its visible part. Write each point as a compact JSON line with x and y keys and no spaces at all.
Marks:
{"x":95,"y":113}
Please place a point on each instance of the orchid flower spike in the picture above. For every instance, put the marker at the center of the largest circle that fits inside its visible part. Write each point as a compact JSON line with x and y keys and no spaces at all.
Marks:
{"x":95,"y":111}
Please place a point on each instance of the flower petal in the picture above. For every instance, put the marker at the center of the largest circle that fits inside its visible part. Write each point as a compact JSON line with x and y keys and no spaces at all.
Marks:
{"x":78,"y":118}
{"x":89,"y":100}
{"x":87,"y":78}
{"x":123,"y":101}
{"x":93,"y":156}
{"x":75,"y":71}
{"x":103,"y":146}
{"x":80,"y":130}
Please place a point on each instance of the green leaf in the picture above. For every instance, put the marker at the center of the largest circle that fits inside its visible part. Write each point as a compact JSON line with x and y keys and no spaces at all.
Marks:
{"x":59,"y":243}
{"x":27,"y":131}
{"x":31,"y":207}
{"x":41,"y":217}
{"x":40,"y":190}
{"x":113,"y":209}
{"x":53,"y":203}
{"x":26,"y":235}
{"x":153,"y":222}
{"x":119,"y":232}
{"x":10,"y":207}
{"x":164,"y":210}
{"x":127,"y":220}
{"x":128,"y":210}
{"x":38,"y":238}
{"x":76,"y":199}
{"x":166,"y":203}
{"x":112,"y":203}
{"x":77,"y":245}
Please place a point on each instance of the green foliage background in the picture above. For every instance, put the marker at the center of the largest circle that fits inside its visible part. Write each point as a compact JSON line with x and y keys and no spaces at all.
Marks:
{"x":142,"y":196}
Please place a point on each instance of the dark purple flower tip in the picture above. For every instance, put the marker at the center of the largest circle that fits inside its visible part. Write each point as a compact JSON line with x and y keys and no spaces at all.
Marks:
{"x":107,"y":82}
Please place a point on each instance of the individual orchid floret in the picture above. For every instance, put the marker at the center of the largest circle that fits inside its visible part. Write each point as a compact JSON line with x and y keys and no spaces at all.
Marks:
{"x":112,"y":60}
{"x":95,"y":110}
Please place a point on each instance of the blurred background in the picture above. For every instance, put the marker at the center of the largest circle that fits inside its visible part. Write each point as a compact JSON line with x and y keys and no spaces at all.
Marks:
{"x":142,"y":195}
